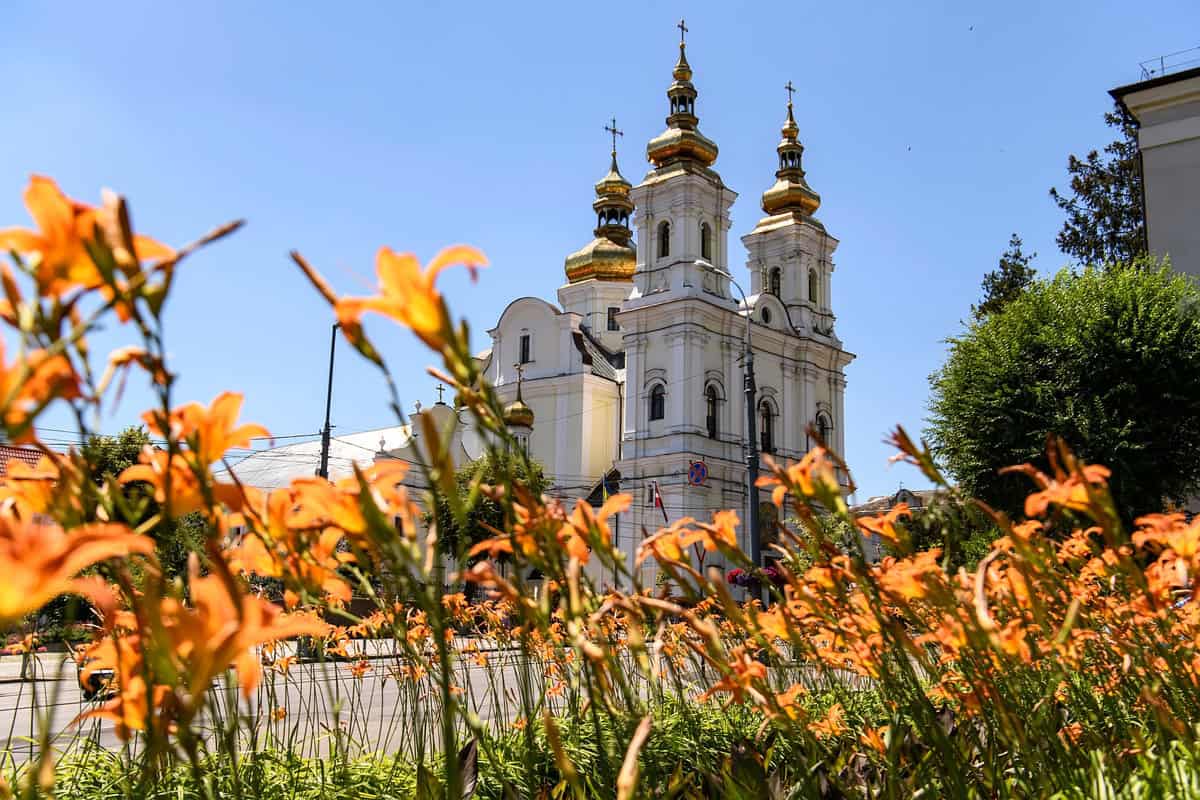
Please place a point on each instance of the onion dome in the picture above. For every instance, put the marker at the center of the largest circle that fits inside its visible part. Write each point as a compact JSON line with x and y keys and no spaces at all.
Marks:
{"x":681,"y":141}
{"x":790,"y":192}
{"x":610,"y":256}
{"x":516,"y":413}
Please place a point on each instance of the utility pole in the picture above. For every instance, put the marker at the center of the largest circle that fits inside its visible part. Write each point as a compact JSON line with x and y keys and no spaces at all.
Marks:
{"x":751,"y":390}
{"x":323,"y":470}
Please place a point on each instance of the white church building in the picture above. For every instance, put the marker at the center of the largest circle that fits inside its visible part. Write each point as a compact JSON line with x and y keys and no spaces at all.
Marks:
{"x":636,"y":373}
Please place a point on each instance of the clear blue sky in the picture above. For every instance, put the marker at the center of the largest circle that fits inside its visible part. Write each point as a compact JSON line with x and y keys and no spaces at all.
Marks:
{"x":933,"y":131}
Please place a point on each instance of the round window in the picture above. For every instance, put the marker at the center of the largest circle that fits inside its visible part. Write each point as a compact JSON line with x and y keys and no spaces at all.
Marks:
{"x":766,"y":316}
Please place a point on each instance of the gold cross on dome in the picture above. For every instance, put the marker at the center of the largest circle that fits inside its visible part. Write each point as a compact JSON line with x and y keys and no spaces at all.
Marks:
{"x":520,"y":368}
{"x":440,"y":389}
{"x":615,"y":133}
{"x":790,"y":89}
{"x":683,"y":29}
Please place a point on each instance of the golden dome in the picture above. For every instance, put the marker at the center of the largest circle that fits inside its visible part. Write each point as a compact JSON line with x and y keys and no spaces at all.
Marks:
{"x":791,"y":191}
{"x":681,"y":140}
{"x":610,"y":256}
{"x":602,"y":259}
{"x":516,"y":413}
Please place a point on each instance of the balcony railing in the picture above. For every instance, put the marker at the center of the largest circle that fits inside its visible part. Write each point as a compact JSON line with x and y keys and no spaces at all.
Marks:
{"x":1169,"y":63}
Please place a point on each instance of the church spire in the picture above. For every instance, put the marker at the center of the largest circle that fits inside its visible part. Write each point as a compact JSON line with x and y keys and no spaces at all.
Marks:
{"x":610,"y":256}
{"x":682,"y":141}
{"x":791,"y":191}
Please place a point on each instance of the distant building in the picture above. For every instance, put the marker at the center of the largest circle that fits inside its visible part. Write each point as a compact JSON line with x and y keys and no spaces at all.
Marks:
{"x":917,"y":500}
{"x":277,"y":467}
{"x":26,"y":455}
{"x":1166,"y":106}
{"x":633,"y":380}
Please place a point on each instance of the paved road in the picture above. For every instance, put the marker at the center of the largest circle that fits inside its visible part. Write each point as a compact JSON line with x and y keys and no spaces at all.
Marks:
{"x":316,"y":707}
{"x":307,"y":711}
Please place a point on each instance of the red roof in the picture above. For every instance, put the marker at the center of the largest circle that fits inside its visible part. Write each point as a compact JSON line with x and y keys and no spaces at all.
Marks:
{"x":10,"y":452}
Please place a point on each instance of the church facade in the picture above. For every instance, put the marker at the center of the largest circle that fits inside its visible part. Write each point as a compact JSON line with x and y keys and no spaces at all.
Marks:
{"x":637,"y":373}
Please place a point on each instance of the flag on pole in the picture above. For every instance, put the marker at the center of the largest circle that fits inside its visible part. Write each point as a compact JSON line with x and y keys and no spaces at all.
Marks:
{"x":658,"y":501}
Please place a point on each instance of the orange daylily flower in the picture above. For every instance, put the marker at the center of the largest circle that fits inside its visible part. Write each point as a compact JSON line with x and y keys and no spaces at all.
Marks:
{"x":65,"y":226}
{"x":210,"y":432}
{"x":810,"y":477}
{"x":665,"y":545}
{"x":885,"y":524}
{"x":27,"y":490}
{"x":787,"y":700}
{"x":873,"y":738}
{"x":773,"y":624}
{"x":584,"y":523}
{"x":834,"y":723}
{"x":219,"y":629}
{"x":913,"y":578}
{"x":408,"y":295}
{"x":721,"y":533}
{"x":40,"y":562}
{"x":745,"y":671}
{"x":302,"y":556}
{"x":1069,"y":490}
{"x":29,"y":384}
{"x":187,"y":495}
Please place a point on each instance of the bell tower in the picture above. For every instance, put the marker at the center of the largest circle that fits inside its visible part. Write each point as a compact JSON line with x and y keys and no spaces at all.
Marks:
{"x":600,"y":275}
{"x":682,"y":204}
{"x":790,"y":252}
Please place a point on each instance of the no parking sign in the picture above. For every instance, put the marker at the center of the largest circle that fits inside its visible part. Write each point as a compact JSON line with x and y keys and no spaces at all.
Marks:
{"x":697,"y":473}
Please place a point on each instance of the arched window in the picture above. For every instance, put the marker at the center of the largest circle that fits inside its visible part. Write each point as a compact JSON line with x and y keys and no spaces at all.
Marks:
{"x":705,"y":241}
{"x":813,"y":288}
{"x":658,"y":402}
{"x":664,"y":239}
{"x":767,"y":421}
{"x":776,"y":281}
{"x":711,"y":402}
{"x":824,"y":428}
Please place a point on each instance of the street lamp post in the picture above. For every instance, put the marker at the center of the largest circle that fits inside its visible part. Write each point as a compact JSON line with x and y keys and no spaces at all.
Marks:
{"x":751,"y":390}
{"x":323,"y":469}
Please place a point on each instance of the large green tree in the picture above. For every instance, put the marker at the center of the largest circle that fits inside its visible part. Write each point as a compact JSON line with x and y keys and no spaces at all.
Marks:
{"x":1105,"y":223}
{"x":1107,"y":359}
{"x":1005,"y":283}
{"x":483,"y":514}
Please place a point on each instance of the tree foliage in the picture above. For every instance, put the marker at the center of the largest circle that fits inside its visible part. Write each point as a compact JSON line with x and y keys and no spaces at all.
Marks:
{"x":1109,"y":360}
{"x":1007,"y":281}
{"x":483,"y":514}
{"x":1105,"y":223}
{"x":107,"y":457}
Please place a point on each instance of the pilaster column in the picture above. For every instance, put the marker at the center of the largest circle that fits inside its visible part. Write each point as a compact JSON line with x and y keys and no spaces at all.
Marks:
{"x":694,"y":380}
{"x":677,"y":407}
{"x":793,"y":427}
{"x":839,"y":405}
{"x":809,"y":375}
{"x":730,"y":422}
{"x":635,"y":383}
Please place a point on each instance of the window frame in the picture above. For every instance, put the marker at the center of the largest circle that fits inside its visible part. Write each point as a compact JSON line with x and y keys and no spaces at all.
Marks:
{"x":525,"y":349}
{"x":712,"y":407}
{"x":613,"y":325}
{"x":766,"y":420}
{"x":657,"y":410}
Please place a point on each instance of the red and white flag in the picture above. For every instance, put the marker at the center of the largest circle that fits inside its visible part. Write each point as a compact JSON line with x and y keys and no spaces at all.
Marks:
{"x":658,"y":501}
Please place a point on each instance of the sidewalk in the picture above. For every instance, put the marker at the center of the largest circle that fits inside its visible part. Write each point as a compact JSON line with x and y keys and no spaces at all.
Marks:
{"x":60,"y":665}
